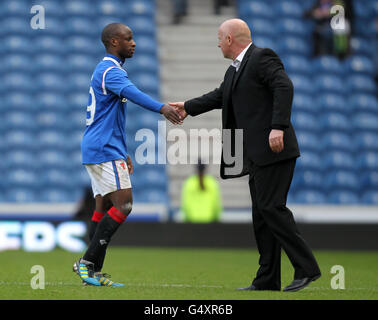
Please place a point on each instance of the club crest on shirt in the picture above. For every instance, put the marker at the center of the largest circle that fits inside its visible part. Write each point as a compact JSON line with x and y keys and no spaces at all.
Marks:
{"x":124,"y":100}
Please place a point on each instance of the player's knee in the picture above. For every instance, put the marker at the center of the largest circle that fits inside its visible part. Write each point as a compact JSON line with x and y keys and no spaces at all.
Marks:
{"x":126,"y":208}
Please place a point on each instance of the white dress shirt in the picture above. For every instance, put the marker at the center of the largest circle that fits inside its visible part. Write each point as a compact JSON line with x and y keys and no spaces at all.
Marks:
{"x":237,"y":62}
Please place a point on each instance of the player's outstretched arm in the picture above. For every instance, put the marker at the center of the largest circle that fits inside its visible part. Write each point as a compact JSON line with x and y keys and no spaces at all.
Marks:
{"x":179,"y":107}
{"x":171,"y":114}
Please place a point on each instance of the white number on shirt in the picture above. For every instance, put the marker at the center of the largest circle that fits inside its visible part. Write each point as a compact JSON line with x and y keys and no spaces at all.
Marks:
{"x":91,"y":108}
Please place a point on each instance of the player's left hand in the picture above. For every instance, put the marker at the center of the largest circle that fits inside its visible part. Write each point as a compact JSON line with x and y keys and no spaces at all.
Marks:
{"x":129,"y":165}
{"x":276,"y":142}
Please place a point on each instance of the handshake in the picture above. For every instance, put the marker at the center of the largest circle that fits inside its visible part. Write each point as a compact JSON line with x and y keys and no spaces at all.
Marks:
{"x":174,"y":112}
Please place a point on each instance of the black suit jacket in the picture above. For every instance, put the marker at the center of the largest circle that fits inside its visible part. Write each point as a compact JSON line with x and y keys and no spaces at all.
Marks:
{"x":257,"y":99}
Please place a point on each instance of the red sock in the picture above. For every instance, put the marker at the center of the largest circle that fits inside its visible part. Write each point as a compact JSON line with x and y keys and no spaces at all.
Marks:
{"x":97,"y":216}
{"x":117,"y":215}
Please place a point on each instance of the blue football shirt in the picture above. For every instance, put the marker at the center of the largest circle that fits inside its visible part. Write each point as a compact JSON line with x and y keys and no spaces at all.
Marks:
{"x":105,"y":138}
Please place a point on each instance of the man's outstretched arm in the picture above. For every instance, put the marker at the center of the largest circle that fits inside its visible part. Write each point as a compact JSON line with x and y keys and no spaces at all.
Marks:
{"x":202,"y":104}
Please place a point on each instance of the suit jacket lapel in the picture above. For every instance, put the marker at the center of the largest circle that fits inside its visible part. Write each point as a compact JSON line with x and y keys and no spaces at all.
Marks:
{"x":242,"y":65}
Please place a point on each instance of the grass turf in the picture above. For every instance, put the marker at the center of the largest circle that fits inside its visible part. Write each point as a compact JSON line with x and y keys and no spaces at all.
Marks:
{"x":181,"y":274}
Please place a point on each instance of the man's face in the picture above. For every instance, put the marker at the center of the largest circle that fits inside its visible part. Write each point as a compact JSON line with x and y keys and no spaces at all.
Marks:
{"x":126,"y":43}
{"x":223,"y":43}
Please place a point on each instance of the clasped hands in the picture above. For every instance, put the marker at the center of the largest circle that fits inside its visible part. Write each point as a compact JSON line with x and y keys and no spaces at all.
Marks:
{"x":177,"y":113}
{"x":174,"y":112}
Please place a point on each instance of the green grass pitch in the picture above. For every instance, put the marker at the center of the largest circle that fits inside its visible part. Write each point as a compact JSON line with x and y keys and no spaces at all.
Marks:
{"x":182,"y":274}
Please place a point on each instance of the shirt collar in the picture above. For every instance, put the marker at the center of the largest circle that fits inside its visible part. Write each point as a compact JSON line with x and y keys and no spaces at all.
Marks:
{"x":236,"y":63}
{"x":121,"y":62}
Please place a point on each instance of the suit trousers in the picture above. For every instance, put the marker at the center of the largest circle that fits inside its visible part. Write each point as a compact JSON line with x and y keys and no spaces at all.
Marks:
{"x":274,"y":225}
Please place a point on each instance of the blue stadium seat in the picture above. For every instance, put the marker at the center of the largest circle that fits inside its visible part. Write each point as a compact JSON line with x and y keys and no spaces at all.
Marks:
{"x":19,"y":159}
{"x":22,"y":178}
{"x":144,"y":62}
{"x":16,"y":80}
{"x":146,"y":82}
{"x":360,"y":65}
{"x":293,"y":45}
{"x":54,"y":195}
{"x":79,"y":8}
{"x":341,"y":180}
{"x":52,"y":140}
{"x":81,"y":26}
{"x":15,"y":26}
{"x":369,"y":180}
{"x":17,"y":62}
{"x":78,"y":82}
{"x":77,"y":119}
{"x":335,"y":160}
{"x":309,"y":161}
{"x":308,"y":141}
{"x":307,"y":179}
{"x":311,"y":196}
{"x":110,"y":8}
{"x":48,"y":44}
{"x":367,"y":161}
{"x":80,"y":178}
{"x":362,"y":10}
{"x":84,"y":45}
{"x":362,"y":46}
{"x":302,"y":84}
{"x":11,"y":8}
{"x":341,"y":197}
{"x":262,"y":27}
{"x":365,"y":28}
{"x":140,"y":8}
{"x":142,"y":25}
{"x":335,"y":121}
{"x":337,"y":141}
{"x":18,"y":101}
{"x":297,"y":64}
{"x":330,"y":102}
{"x":75,"y":139}
{"x":305,"y":121}
{"x":81,"y":63}
{"x":145,"y":44}
{"x":49,"y":101}
{"x":49,"y":63}
{"x":328,"y":65}
{"x":20,"y":195}
{"x":328,"y":83}
{"x":52,"y":8}
{"x":304,"y":102}
{"x":370,"y":197}
{"x":365,"y":121}
{"x":292,"y":27}
{"x":50,"y":120}
{"x":361,"y":83}
{"x":14,"y":44}
{"x":367,"y":141}
{"x":255,"y":9}
{"x":54,"y":27}
{"x":51,"y":82}
{"x":19,"y":139}
{"x":289,"y":9}
{"x":56,"y":178}
{"x":364,"y":102}
{"x":78,"y":101}
{"x":151,"y":196}
{"x":53,"y":159}
{"x":19,"y":120}
{"x":265,"y":42}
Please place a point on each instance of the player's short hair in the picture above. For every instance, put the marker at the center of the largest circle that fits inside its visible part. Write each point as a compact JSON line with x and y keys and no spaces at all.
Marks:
{"x":111,"y":31}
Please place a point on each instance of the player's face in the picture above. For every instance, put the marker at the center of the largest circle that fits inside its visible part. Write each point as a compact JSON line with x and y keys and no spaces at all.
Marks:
{"x":126,"y":44}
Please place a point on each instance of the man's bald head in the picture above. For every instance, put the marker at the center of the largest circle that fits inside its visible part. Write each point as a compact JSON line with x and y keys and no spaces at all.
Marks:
{"x":113,"y":31}
{"x":234,"y":35}
{"x":238,"y":29}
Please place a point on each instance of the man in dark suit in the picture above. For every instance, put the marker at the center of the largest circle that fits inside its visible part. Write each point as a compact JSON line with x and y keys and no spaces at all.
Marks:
{"x":256,"y":96}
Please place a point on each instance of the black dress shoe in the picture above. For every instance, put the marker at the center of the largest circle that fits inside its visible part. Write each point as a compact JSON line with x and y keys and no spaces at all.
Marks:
{"x":299,"y":284}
